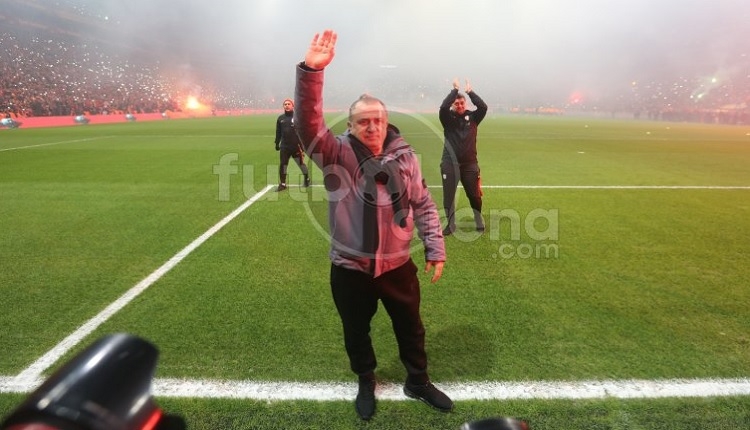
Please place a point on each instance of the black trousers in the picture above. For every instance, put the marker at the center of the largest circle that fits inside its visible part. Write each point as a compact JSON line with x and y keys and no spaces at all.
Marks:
{"x":356,"y":295}
{"x":285,"y":155}
{"x":468,"y":174}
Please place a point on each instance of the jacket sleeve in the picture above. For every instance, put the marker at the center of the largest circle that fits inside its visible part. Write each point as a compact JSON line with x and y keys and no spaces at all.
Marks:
{"x":481,"y":110}
{"x":317,"y":140}
{"x":426,"y":217}
{"x":278,"y":131}
{"x":445,"y":106}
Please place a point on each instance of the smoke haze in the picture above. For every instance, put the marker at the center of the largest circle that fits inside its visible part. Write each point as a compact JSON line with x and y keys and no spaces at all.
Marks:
{"x":514,"y":52}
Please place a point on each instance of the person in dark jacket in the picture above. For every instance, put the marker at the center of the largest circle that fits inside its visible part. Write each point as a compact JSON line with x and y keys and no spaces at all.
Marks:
{"x":459,"y":161}
{"x":377,"y":198}
{"x":288,"y":144}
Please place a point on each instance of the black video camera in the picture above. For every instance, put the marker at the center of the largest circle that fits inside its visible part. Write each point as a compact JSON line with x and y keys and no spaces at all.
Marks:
{"x":105,"y":387}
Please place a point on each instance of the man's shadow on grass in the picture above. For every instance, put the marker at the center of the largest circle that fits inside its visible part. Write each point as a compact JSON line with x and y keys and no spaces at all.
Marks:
{"x":452,"y":353}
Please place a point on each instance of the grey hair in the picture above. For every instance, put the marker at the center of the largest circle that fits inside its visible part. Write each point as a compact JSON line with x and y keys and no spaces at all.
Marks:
{"x":367,"y":99}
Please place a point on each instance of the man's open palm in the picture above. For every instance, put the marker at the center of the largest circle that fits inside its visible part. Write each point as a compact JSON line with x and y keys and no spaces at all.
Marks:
{"x":321,"y":50}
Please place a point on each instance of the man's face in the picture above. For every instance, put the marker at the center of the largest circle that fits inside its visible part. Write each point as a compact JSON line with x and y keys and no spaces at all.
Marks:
{"x":459,"y":105}
{"x":369,"y":123}
{"x":288,"y":106}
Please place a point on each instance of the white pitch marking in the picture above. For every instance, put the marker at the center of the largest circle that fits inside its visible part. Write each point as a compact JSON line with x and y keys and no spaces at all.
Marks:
{"x":458,"y":391}
{"x":55,"y":143}
{"x":332,"y":391}
{"x":32,"y":373}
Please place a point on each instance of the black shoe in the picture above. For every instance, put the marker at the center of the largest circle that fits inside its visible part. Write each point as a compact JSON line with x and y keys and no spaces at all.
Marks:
{"x":447,"y":231}
{"x":479,"y":221}
{"x":430,"y":395}
{"x":307,"y":182}
{"x":281,"y":187}
{"x":365,"y":402}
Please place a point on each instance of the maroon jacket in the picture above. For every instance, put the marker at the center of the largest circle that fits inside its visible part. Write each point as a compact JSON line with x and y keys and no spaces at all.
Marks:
{"x":345,"y":185}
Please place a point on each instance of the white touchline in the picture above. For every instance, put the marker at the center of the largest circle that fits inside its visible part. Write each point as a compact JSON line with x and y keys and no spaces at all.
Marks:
{"x":55,"y":143}
{"x":35,"y":370}
{"x":276,"y":391}
{"x":486,"y":390}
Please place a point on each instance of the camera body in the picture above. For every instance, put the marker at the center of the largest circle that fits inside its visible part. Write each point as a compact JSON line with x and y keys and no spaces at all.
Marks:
{"x":105,"y":387}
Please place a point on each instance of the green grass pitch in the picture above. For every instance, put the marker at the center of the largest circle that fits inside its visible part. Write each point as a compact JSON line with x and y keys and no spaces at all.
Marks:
{"x":615,"y":250}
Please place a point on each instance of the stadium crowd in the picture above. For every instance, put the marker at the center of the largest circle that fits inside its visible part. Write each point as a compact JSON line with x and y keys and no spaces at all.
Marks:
{"x":42,"y":76}
{"x":50,"y":70}
{"x":54,"y":74}
{"x":692,"y":99}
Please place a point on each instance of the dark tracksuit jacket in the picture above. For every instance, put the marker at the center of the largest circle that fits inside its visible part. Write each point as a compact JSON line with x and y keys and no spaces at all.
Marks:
{"x":460,"y":131}
{"x":286,"y":136}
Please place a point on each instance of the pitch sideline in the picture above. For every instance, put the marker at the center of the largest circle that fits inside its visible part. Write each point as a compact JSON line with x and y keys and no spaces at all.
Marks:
{"x":486,"y":390}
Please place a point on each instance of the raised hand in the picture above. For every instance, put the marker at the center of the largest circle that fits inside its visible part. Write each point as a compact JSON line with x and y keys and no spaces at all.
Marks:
{"x":321,"y":50}
{"x":456,"y":84}
{"x":468,"y":86}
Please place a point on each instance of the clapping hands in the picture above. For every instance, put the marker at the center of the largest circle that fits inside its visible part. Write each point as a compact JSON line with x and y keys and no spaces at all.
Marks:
{"x":457,"y":86}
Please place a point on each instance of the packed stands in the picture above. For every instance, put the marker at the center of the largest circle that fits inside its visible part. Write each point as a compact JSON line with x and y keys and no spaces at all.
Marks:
{"x":51,"y":64}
